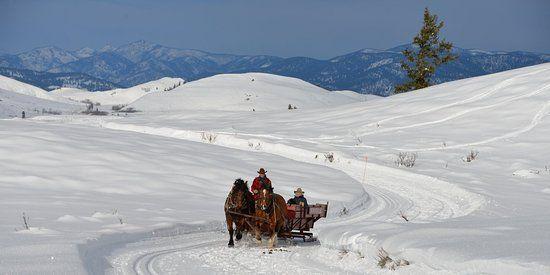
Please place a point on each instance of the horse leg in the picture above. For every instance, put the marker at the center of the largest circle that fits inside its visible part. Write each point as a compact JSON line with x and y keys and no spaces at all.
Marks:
{"x":229,"y":221}
{"x":258,"y":235}
{"x":239,"y":229}
{"x":273,"y":239}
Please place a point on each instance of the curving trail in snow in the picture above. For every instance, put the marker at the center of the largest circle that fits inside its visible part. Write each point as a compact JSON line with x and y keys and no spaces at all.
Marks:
{"x":388,"y":191}
{"x":428,"y":198}
{"x":206,"y":253}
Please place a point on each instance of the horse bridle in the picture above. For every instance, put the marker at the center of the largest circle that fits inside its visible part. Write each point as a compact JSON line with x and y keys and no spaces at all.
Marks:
{"x":232,"y":204}
{"x":269,"y":206}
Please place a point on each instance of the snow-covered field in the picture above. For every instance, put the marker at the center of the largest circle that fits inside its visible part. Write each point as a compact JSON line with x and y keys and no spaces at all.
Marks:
{"x":144,"y":193}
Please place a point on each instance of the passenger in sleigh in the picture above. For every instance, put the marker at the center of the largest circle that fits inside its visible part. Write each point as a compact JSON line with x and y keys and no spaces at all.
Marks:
{"x":298,"y":199}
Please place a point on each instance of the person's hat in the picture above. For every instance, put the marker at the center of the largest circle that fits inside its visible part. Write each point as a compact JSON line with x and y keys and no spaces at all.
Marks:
{"x":262,"y":171}
{"x":299,"y":190}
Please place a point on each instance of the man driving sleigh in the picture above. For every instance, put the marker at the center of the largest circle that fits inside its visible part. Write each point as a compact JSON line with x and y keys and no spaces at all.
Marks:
{"x":261,"y":182}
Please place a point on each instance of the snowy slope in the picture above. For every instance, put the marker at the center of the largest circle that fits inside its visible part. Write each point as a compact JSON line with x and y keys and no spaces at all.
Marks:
{"x":120,"y":96}
{"x":12,"y":85}
{"x":12,"y":104}
{"x":242,"y":92}
{"x":357,"y":96}
{"x":80,"y":175}
{"x":166,"y":180}
{"x":503,"y":116}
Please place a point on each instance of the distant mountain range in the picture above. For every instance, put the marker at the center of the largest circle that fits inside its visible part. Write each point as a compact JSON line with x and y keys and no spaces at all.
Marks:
{"x":51,"y":81}
{"x":365,"y":71}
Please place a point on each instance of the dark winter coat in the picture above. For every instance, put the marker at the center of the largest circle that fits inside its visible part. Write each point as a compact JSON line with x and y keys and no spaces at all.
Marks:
{"x":298,"y":200}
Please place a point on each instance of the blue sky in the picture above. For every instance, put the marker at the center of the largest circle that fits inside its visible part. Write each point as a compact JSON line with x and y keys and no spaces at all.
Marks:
{"x":315,"y":28}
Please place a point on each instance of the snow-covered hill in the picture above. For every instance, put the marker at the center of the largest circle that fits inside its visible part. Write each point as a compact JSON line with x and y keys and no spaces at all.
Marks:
{"x":242,"y":92}
{"x":145,"y":193}
{"x":15,"y":86}
{"x":12,"y":85}
{"x":13,"y":104}
{"x":120,"y":96}
{"x":16,"y":97}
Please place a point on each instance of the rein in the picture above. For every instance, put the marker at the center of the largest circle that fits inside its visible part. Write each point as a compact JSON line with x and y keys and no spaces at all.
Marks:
{"x":246,"y":215}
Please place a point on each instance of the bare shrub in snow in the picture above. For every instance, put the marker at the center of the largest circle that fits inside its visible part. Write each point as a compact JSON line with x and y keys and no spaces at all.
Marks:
{"x":173,"y":87}
{"x":128,"y":110}
{"x":118,"y":217}
{"x":252,"y":145}
{"x":90,"y":105}
{"x":358,"y":141}
{"x":406,"y":159}
{"x":87,"y":101}
{"x":343,"y":212}
{"x":329,"y":156}
{"x":343,"y":253}
{"x":383,"y":258}
{"x":51,"y":112}
{"x":25,"y":222}
{"x":355,"y":137}
{"x":385,"y":261}
{"x":403,"y":216}
{"x":95,"y":113}
{"x":471,"y":156}
{"x":117,"y":107}
{"x":209,"y":137}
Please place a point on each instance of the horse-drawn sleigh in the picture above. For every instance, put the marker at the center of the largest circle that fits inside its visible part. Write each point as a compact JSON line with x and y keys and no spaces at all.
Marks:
{"x":268,"y":215}
{"x":301,"y":220}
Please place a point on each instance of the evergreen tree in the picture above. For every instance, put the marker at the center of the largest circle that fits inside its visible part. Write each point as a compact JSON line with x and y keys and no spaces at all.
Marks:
{"x":427,"y":53}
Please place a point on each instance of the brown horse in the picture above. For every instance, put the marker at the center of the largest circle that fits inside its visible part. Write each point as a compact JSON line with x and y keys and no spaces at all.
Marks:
{"x":271,"y":209}
{"x":239,"y":201}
